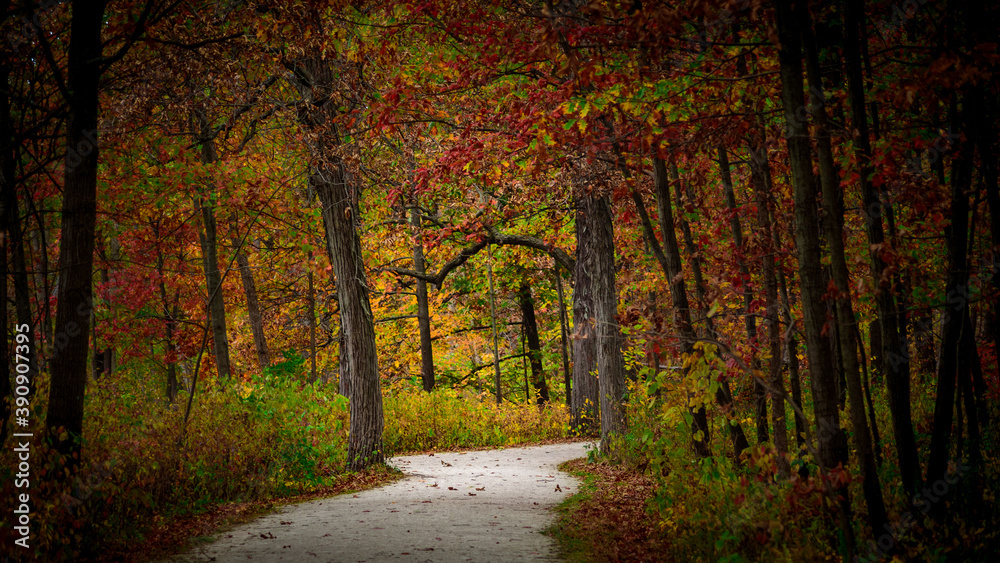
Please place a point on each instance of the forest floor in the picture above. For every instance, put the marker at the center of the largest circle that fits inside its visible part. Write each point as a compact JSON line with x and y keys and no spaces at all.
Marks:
{"x":169,"y":536}
{"x":607,"y":519}
{"x":488,"y":505}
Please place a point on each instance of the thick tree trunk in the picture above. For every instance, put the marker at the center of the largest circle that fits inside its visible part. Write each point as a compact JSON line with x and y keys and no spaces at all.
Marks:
{"x":316,"y":81}
{"x":586,"y":402}
{"x":831,"y":442}
{"x":208,"y":238}
{"x":530,"y":328}
{"x":610,"y":362}
{"x":894,"y":354}
{"x":423,"y":305}
{"x":76,"y":247}
{"x":10,"y":238}
{"x":357,"y":322}
{"x":812,"y":279}
{"x":344,"y":383}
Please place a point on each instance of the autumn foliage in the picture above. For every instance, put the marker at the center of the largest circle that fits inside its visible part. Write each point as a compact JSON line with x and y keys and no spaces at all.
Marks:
{"x":750,"y":246}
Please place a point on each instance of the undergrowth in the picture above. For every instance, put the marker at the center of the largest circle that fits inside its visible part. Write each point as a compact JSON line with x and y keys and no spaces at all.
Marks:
{"x":246,"y":441}
{"x":722,"y":509}
{"x":449,"y":419}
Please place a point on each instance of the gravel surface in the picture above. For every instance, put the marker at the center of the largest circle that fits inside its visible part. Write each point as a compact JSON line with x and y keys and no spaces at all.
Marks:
{"x":486,"y":505}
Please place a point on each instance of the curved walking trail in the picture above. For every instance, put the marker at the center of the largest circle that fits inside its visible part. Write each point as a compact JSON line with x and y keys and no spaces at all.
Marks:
{"x":486,"y":505}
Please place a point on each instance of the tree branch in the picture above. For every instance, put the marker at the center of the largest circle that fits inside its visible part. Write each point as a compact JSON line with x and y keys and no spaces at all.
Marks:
{"x":491,"y":237}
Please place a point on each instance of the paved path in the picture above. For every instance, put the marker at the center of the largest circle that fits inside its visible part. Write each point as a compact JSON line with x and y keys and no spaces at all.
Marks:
{"x":487,"y":506}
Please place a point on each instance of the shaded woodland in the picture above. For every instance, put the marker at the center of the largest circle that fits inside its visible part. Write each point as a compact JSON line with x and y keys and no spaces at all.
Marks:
{"x":749,"y":245}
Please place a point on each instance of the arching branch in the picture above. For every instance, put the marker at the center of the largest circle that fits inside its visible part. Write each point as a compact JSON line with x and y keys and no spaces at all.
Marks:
{"x":492,"y":236}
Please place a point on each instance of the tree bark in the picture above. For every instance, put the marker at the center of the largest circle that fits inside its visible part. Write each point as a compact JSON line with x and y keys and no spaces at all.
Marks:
{"x":749,"y":321}
{"x":586,"y":402}
{"x":812,"y":279}
{"x":530,"y":327}
{"x":357,"y":322}
{"x":563,"y":328}
{"x":610,"y":362}
{"x":316,"y":81}
{"x":253,"y":305}
{"x":830,"y":439}
{"x":208,"y":238}
{"x":895,"y":357}
{"x":423,"y":304}
{"x":76,"y":247}
{"x":833,"y":221}
{"x":678,"y":294}
{"x":723,"y":395}
{"x":791,"y":342}
{"x":771,"y":306}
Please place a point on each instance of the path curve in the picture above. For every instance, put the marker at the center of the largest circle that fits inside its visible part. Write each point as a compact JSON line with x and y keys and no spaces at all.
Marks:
{"x":487,"y":506}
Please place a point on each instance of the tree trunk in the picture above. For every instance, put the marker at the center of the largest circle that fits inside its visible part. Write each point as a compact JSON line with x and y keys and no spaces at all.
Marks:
{"x":833,"y":222}
{"x":957,"y":342}
{"x":771,"y":306}
{"x":530,"y":328}
{"x":866,"y":387}
{"x":749,"y":321}
{"x":316,"y":81}
{"x":423,"y":305}
{"x":723,"y":395}
{"x":563,"y":328}
{"x":830,"y":438}
{"x":585,"y":403}
{"x":253,"y":304}
{"x":610,"y":362}
{"x":493,"y":326}
{"x":172,"y":385}
{"x":894,"y":354}
{"x":678,"y":294}
{"x":76,"y":247}
{"x":357,"y":322}
{"x":208,"y":238}
{"x":812,"y":279}
{"x":791,"y":343}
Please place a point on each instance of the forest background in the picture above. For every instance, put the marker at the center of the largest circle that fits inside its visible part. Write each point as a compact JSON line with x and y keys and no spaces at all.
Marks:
{"x":252,"y":248}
